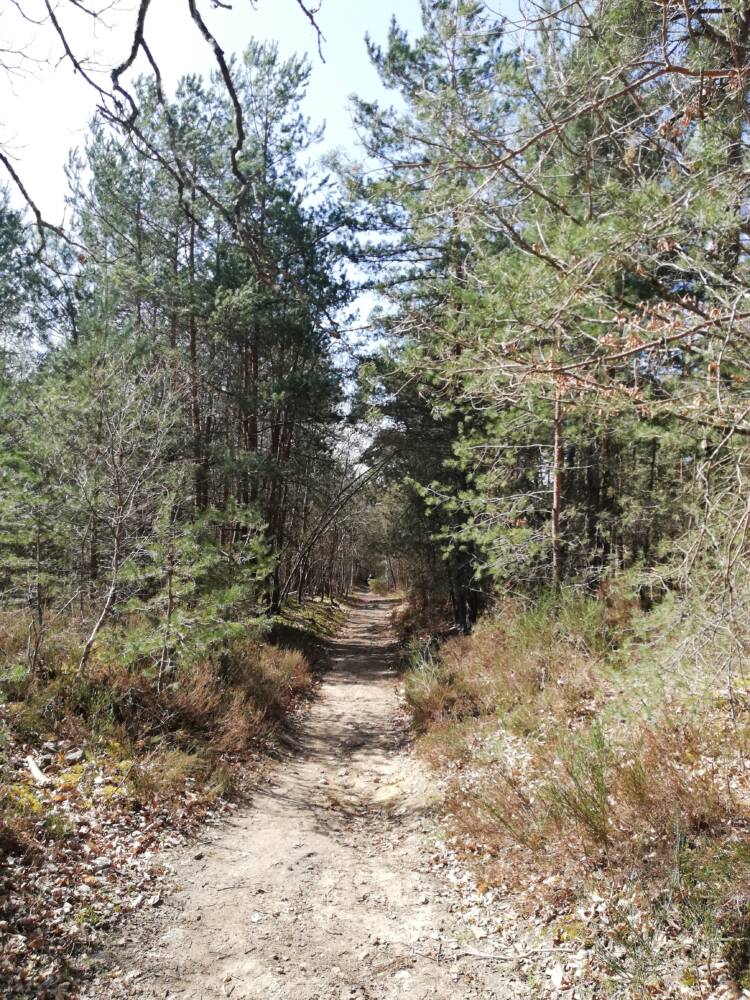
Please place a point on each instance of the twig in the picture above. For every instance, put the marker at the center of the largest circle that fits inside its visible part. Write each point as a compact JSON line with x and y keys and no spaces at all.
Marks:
{"x":507,"y":957}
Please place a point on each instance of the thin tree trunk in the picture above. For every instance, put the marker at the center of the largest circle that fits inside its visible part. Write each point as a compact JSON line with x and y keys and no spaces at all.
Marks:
{"x":108,"y":601}
{"x":195,"y":416}
{"x":557,"y":457}
{"x":165,"y":661}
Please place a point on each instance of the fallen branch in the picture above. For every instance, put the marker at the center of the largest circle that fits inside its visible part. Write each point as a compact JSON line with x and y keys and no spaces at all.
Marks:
{"x":36,"y":772}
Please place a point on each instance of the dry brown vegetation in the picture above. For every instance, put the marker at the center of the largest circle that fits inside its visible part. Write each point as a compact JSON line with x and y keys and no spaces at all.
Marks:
{"x":580,"y":764}
{"x":126,"y":765}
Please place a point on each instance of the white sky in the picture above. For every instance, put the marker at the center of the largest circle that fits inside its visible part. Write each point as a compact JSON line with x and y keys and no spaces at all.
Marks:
{"x":44,"y":111}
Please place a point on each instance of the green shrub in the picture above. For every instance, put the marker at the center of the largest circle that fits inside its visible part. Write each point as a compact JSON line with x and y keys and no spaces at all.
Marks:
{"x":579,"y":791}
{"x":15,"y":680}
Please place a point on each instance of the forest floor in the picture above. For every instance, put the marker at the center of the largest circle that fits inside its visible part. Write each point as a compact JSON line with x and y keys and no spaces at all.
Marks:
{"x":331,"y":883}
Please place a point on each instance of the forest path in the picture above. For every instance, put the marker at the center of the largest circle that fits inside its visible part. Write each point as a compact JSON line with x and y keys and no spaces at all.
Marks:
{"x":321,"y":889}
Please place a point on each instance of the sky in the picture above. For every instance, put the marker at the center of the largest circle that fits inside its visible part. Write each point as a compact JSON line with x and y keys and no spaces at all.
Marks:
{"x":45,"y":107}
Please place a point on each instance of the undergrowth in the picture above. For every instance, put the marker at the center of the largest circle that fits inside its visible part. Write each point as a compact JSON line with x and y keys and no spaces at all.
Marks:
{"x":100,"y":768}
{"x":194,"y":729}
{"x":579,"y":751}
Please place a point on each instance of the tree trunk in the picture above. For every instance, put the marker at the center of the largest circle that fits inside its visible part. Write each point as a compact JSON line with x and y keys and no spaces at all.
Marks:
{"x":557,"y":461}
{"x":108,"y":601}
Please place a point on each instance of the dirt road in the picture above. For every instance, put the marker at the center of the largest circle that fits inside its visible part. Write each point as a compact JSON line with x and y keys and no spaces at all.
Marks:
{"x":321,"y":889}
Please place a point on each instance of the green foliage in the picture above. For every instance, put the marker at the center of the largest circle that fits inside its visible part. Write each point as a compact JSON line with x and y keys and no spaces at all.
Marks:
{"x":580,"y":792}
{"x":556,"y":313}
{"x":203,"y":583}
{"x":168,"y":457}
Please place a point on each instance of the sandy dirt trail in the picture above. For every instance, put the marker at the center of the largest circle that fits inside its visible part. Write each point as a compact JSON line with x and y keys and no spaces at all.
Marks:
{"x":321,"y":889}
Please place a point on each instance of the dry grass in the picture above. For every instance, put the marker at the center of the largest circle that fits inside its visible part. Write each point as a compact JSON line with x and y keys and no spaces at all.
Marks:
{"x":516,"y":665}
{"x":555,"y":781}
{"x":421,"y":615}
{"x":210,"y":715}
{"x":164,"y":774}
{"x":582,"y":795}
{"x":14,"y":636}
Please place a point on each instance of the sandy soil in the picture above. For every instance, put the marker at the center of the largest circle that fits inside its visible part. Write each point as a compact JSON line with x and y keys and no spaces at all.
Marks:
{"x":321,"y":889}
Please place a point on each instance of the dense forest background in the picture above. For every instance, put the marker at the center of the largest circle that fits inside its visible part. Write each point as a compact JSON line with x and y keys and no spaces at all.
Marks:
{"x":565,"y":244}
{"x":549,"y":418}
{"x":177,"y":450}
{"x":558,"y":390}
